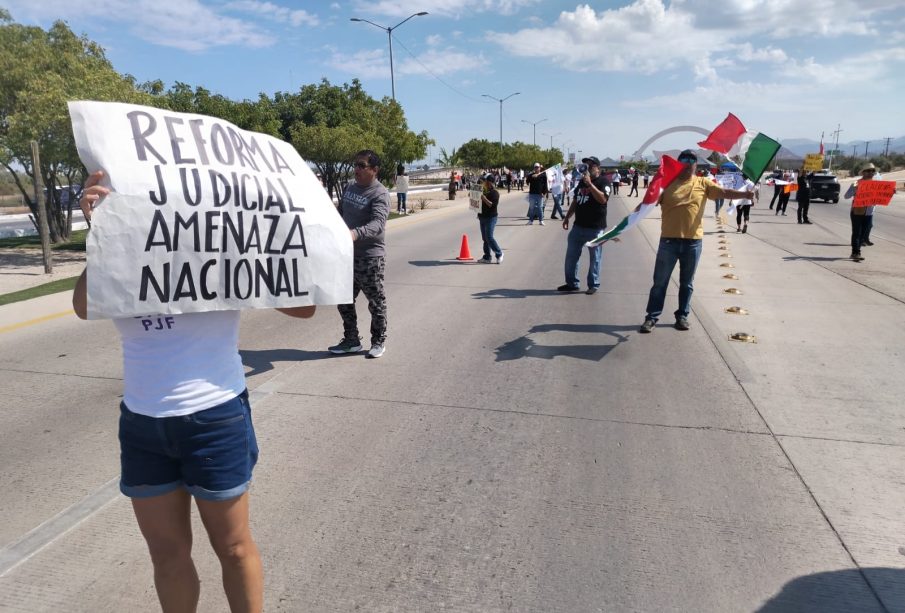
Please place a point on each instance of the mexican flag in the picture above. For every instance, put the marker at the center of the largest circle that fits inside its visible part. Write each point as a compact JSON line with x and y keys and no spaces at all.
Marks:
{"x":754,"y":149}
{"x":668,"y":171}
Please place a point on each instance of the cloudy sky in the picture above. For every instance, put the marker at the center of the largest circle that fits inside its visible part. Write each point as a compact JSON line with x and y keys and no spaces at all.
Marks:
{"x":599,"y":77}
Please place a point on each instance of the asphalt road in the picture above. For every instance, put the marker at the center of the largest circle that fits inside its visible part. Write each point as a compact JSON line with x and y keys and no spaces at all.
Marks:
{"x":517,"y":449}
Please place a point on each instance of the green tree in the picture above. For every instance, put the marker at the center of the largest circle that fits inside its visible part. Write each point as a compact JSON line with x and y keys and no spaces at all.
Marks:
{"x":347,"y":120}
{"x":449,"y":159}
{"x":480,"y":153}
{"x":254,"y":115}
{"x":39,"y":72}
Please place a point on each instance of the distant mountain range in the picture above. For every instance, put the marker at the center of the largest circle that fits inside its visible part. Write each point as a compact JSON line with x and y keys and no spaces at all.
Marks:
{"x":801,"y":146}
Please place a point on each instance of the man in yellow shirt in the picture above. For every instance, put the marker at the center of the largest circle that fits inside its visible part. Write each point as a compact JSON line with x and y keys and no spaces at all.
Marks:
{"x":681,"y":235}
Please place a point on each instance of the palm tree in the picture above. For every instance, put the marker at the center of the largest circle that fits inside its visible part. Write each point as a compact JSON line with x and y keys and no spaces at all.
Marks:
{"x":448,"y":159}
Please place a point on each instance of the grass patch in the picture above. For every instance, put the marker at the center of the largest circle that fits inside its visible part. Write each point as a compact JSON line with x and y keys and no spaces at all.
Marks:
{"x":54,"y":287}
{"x":76,"y":242}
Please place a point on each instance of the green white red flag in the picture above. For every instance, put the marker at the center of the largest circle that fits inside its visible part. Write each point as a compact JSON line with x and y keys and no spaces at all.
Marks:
{"x":666,"y":174}
{"x":753,"y":150}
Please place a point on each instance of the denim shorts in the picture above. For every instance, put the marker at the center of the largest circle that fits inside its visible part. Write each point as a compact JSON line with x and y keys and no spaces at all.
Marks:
{"x":210,"y":453}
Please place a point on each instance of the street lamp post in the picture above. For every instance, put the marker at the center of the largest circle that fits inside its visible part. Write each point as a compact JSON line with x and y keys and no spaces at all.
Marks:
{"x":501,"y":101}
{"x":389,"y":32}
{"x":551,"y":138}
{"x":534,"y":124}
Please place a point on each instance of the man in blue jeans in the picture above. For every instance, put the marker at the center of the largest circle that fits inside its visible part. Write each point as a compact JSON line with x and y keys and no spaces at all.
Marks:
{"x":681,"y":234}
{"x":589,"y":207}
{"x":537,"y":189}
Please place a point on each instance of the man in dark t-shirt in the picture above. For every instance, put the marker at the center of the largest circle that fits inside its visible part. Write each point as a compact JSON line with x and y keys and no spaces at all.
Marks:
{"x":589,"y":200}
{"x":537,"y":189}
{"x":487,"y":218}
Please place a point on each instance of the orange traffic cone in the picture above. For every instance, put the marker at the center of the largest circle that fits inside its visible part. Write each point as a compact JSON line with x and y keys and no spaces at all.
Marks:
{"x":464,"y":252}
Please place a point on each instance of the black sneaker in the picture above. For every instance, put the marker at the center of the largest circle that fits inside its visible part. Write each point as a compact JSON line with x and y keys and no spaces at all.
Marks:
{"x":682,"y":323}
{"x":868,"y":243}
{"x":856,"y":256}
{"x":567,"y":288}
{"x":647,"y":327}
{"x":346,"y":346}
{"x":591,"y":291}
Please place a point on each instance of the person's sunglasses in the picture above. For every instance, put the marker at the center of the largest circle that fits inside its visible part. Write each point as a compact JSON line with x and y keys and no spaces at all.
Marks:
{"x":688,"y":160}
{"x":361,"y":165}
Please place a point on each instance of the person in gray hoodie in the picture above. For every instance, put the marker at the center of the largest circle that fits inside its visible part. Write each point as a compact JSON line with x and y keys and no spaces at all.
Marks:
{"x":364,"y":207}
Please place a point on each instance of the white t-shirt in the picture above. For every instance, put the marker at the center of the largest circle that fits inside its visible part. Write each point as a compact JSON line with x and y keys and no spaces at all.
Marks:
{"x":402,"y":184}
{"x":180,"y":364}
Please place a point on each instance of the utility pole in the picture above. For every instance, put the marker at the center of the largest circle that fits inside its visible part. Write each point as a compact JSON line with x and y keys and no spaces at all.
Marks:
{"x":866,"y":143}
{"x":853,"y":151}
{"x":886,"y":154}
{"x":41,"y":203}
{"x":836,"y":146}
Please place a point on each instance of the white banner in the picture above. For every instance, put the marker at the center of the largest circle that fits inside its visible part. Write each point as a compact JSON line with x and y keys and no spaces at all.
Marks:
{"x":730,"y":180}
{"x":474,"y":197}
{"x":204,"y":216}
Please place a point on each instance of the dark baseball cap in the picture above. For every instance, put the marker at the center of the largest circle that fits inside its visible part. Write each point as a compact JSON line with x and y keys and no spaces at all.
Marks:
{"x":688,"y":156}
{"x":591,"y":161}
{"x":488,"y":177}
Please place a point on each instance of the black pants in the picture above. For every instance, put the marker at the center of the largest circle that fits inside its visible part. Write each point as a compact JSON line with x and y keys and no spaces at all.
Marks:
{"x":777,"y":191}
{"x":367,"y":278}
{"x":859,"y":234}
{"x":782,"y":203}
{"x":743,"y":210}
{"x":803,"y":205}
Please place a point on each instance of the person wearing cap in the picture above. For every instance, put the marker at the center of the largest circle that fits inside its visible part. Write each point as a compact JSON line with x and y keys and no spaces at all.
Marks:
{"x":487,"y":218}
{"x":537,"y":189}
{"x":589,"y":201}
{"x":681,"y":237}
{"x":862,"y":217}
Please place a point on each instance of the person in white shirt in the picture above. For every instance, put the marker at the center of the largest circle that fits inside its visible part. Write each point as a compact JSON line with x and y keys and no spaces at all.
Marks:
{"x":402,"y":189}
{"x":185,"y":432}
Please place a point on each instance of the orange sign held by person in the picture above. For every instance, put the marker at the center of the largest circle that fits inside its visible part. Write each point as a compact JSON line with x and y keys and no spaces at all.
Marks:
{"x":790,"y":187}
{"x":874,"y":192}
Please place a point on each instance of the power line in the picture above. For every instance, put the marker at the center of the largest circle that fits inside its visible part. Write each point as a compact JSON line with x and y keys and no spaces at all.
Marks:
{"x":431,"y":73}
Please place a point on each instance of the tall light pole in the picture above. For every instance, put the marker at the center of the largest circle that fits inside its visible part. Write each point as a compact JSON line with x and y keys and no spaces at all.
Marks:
{"x":534,"y":123}
{"x":551,"y":138}
{"x":389,"y":32}
{"x":501,"y":101}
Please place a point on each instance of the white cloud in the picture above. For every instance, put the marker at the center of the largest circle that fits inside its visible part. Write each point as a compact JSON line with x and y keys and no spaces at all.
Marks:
{"x":376,"y":62}
{"x":834,"y":84}
{"x":433,"y":40}
{"x":184,"y":24}
{"x":447,"y":8}
{"x":650,"y":36}
{"x":274,"y":12}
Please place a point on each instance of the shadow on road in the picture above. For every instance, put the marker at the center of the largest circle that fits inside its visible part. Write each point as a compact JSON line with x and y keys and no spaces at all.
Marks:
{"x":518,"y":293}
{"x":809,"y":258}
{"x":451,"y":262}
{"x":840,"y":591}
{"x":526,"y":347}
{"x":829,"y":244}
{"x":263,"y":360}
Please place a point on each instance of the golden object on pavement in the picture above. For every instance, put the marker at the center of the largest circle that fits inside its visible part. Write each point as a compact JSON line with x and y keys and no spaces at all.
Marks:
{"x":727,"y":265}
{"x":731,"y":276}
{"x":725,"y":255}
{"x":732,"y":290}
{"x":737,"y":310}
{"x":743,"y":337}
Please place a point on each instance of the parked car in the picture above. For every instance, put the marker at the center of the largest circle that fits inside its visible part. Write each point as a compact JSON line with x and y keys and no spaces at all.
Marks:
{"x":824,"y":186}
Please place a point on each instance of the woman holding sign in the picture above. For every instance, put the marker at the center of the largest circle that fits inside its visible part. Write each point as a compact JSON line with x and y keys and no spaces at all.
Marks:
{"x":862,"y":217}
{"x":185,"y":432}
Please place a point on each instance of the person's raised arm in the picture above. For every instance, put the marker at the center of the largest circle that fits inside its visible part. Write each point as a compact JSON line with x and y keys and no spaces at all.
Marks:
{"x":303,"y":312}
{"x":89,"y":200}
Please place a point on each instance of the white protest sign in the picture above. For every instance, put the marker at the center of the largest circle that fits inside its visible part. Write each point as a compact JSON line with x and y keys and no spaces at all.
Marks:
{"x":474,"y":198}
{"x":730,"y":180}
{"x":203,"y":216}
